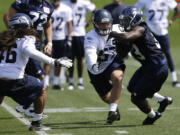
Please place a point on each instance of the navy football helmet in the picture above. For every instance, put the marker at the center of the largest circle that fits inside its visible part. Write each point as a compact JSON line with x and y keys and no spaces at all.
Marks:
{"x":131,"y":17}
{"x":102,"y":21}
{"x":20,"y":20}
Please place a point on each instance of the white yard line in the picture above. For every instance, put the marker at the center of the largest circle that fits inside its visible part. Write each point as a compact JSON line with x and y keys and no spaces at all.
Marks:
{"x":20,"y":117}
{"x":69,"y":110}
{"x":121,"y":132}
{"x":92,"y":109}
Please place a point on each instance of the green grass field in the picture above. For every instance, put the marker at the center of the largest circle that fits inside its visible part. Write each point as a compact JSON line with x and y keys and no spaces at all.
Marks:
{"x":77,"y":115}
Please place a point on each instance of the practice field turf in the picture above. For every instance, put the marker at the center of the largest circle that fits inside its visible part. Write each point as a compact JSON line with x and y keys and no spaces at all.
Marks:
{"x":81,"y":112}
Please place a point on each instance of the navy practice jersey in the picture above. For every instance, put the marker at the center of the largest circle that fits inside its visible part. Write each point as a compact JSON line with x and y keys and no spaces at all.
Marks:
{"x":146,"y":49}
{"x":115,"y":11}
{"x":39,"y":13}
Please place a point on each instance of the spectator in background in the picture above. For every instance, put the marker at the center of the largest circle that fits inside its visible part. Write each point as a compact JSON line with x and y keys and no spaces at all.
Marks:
{"x":156,"y":12}
{"x":61,"y":16}
{"x":79,"y":8}
{"x":115,"y":9}
{"x":40,"y":12}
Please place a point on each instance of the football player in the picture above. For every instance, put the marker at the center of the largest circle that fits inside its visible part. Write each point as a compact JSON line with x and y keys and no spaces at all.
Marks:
{"x":16,"y":46}
{"x":61,"y":17}
{"x":148,"y":79}
{"x":156,"y":12}
{"x":80,"y":8}
{"x":115,"y":8}
{"x":105,"y":69}
{"x":40,"y":12}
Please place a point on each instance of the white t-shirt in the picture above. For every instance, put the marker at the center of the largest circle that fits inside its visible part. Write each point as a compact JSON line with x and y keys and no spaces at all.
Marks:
{"x":60,"y":17}
{"x":94,"y":43}
{"x":80,"y":9}
{"x":156,"y":12}
{"x":13,"y":64}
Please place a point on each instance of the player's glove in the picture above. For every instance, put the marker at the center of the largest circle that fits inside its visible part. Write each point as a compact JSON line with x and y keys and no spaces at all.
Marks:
{"x":69,"y":47}
{"x":69,"y":42}
{"x":64,"y":61}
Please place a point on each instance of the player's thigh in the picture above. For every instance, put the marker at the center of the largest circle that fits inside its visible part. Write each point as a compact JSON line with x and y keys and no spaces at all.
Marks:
{"x":101,"y":83}
{"x":58,"y":49}
{"x":26,"y":90}
{"x":78,"y":46}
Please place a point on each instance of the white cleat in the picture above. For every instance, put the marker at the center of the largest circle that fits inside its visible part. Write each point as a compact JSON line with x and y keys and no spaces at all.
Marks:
{"x":20,"y":109}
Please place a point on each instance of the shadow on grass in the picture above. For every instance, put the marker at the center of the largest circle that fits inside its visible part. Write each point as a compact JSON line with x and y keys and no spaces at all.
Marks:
{"x":6,"y":118}
{"x":88,"y":125}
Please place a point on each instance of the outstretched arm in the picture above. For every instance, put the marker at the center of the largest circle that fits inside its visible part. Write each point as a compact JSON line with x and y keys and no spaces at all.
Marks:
{"x":130,"y":36}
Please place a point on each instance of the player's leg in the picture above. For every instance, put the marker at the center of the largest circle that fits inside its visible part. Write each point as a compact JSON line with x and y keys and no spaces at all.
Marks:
{"x":163,"y":101}
{"x":79,"y":55}
{"x":58,"y":52}
{"x":1,"y":99}
{"x":71,"y":55}
{"x":165,"y":45}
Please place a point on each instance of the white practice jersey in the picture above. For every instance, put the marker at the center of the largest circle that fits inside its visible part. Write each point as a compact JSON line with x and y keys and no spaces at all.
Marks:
{"x":14,"y":59}
{"x":94,"y":43}
{"x":80,"y":9}
{"x":60,"y":17}
{"x":156,"y":12}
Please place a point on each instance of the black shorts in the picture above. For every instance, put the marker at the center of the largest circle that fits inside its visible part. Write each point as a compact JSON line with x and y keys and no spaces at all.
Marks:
{"x":24,"y":91}
{"x":101,"y":82}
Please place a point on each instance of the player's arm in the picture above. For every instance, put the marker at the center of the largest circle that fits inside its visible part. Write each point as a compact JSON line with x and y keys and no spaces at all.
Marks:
{"x":11,"y":11}
{"x":130,"y":36}
{"x":28,"y":48}
{"x":48,"y":34}
{"x":69,"y":26}
{"x":175,"y":14}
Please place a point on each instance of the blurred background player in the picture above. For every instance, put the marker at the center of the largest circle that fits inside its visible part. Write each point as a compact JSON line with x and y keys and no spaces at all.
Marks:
{"x":105,"y":69}
{"x":79,"y":9}
{"x":115,"y":8}
{"x":40,"y":12}
{"x":61,"y":16}
{"x":149,"y":78}
{"x":19,"y":43}
{"x":178,"y":8}
{"x":156,"y":12}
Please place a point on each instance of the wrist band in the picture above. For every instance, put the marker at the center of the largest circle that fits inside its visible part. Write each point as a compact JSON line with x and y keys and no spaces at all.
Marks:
{"x":49,"y":43}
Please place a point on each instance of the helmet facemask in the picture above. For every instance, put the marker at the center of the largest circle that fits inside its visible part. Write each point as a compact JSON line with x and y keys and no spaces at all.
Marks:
{"x":102,"y":21}
{"x":103,"y":28}
{"x":130,"y":18}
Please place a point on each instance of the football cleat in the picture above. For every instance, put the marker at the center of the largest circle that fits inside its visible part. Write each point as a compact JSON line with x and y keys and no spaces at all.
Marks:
{"x":150,"y":121}
{"x":20,"y":109}
{"x":113,"y":116}
{"x":37,"y":126}
{"x":29,"y":112}
{"x":176,"y":84}
{"x":71,"y":86}
{"x":80,"y":86}
{"x":118,"y":114}
{"x":57,"y":87}
{"x":163,"y":104}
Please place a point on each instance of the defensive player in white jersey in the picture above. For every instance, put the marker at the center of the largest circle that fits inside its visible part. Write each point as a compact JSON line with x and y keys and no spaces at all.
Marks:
{"x":80,"y":9}
{"x":156,"y":12}
{"x":61,"y":17}
{"x":17,"y":45}
{"x":104,"y":67}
